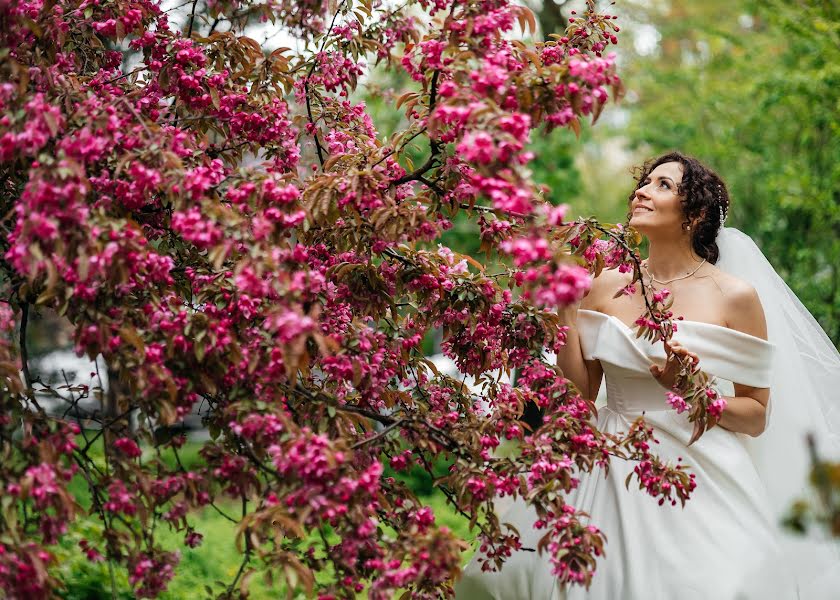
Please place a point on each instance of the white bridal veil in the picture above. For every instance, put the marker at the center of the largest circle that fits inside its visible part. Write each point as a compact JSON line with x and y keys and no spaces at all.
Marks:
{"x":805,"y":386}
{"x":804,"y":399}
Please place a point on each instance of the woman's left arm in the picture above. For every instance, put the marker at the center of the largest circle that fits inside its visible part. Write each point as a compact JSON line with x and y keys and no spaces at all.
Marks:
{"x":746,"y":411}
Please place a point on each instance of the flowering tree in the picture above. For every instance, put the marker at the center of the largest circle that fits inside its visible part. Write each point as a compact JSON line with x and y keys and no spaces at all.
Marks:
{"x":155,"y":194}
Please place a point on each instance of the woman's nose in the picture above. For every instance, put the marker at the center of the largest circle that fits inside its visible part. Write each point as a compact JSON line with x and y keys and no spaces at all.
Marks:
{"x":642,"y":192}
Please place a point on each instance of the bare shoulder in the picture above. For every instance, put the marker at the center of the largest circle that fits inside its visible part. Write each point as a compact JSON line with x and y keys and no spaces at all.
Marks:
{"x":741,"y":305}
{"x":604,"y":287}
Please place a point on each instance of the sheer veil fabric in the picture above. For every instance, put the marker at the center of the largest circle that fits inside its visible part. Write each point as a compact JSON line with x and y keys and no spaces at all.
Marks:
{"x":804,"y":399}
{"x":805,"y":382}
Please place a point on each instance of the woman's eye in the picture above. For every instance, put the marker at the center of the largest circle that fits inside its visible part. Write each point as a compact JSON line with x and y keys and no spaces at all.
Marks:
{"x":665,"y":185}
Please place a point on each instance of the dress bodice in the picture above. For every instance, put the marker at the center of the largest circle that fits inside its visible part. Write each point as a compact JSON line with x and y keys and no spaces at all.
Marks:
{"x":725,"y":353}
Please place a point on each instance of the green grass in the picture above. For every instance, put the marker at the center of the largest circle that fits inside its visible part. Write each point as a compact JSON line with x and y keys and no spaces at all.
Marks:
{"x":216,"y":561}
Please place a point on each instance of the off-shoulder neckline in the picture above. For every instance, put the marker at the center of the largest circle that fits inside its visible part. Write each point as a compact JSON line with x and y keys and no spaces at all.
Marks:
{"x":680,"y":322}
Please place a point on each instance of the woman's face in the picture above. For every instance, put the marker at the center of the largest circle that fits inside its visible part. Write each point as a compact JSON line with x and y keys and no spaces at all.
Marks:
{"x":656,"y":204}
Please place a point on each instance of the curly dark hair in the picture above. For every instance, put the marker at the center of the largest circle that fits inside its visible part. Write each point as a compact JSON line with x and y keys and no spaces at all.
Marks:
{"x":703,"y":195}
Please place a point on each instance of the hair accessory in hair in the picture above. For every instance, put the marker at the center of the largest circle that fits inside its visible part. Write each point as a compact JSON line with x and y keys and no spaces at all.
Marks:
{"x":723,"y":212}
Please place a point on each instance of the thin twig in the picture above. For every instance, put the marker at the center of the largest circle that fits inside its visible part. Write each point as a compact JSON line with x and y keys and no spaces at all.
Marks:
{"x":247,"y":556}
{"x":104,"y":426}
{"x":124,"y":75}
{"x":403,"y":145}
{"x":478,"y":207}
{"x":379,"y":435}
{"x":192,"y":19}
{"x":24,"y":352}
{"x":384,"y":419}
{"x":318,"y":148}
{"x":223,"y":513}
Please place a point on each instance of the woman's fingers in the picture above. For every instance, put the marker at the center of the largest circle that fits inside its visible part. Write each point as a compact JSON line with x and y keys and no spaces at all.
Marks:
{"x":677,"y":349}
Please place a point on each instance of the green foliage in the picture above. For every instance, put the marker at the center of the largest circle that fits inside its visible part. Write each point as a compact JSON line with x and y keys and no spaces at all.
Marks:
{"x":554,"y":164}
{"x":85,"y":579}
{"x":751,"y":88}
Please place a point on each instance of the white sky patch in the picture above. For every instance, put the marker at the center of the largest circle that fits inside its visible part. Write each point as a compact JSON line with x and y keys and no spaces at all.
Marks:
{"x":746,"y":21}
{"x":646,"y":39}
{"x":270,"y":36}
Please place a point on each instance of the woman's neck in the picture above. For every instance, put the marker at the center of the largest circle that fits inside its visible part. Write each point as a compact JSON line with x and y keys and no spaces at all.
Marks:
{"x":670,"y":260}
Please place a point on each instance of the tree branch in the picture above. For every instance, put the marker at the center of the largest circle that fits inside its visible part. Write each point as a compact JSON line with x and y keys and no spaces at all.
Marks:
{"x":379,"y":435}
{"x":423,"y":169}
{"x":375,"y":416}
{"x":24,"y":352}
{"x":247,"y":557}
{"x":192,"y":19}
{"x":318,"y":148}
{"x":394,"y":254}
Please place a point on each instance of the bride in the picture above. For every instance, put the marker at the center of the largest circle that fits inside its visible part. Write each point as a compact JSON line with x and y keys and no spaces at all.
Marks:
{"x":772,"y":363}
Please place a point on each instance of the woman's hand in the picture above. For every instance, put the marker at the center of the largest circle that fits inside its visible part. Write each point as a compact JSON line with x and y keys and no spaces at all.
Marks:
{"x":667,"y":375}
{"x":568,"y":313}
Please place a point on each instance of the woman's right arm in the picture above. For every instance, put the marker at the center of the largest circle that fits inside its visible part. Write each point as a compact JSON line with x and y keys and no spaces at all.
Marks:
{"x":585,"y":374}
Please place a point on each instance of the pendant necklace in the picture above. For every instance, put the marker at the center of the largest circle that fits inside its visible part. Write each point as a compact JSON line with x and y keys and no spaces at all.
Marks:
{"x":652,"y":278}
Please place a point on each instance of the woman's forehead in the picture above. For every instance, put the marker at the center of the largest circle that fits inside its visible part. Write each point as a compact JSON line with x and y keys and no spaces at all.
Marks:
{"x":673,"y":170}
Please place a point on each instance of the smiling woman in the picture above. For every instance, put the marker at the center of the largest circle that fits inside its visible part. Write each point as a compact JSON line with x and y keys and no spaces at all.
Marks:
{"x":681,"y":190}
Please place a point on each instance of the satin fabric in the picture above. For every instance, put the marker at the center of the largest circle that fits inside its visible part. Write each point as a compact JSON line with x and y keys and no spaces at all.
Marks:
{"x":719,"y":545}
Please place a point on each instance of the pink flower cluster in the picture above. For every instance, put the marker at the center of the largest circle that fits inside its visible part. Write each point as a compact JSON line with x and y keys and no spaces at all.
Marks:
{"x":21,"y":570}
{"x":149,"y":574}
{"x":527,"y":250}
{"x":196,"y":229}
{"x":335,"y":73}
{"x":570,"y":540}
{"x":41,"y":122}
{"x":127,"y":447}
{"x":717,"y":405}
{"x":555,"y":286}
{"x":677,"y":402}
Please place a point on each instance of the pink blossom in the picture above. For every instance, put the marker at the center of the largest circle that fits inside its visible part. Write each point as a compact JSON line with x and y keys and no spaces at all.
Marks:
{"x":717,"y":407}
{"x":677,"y":402}
{"x":128,"y":447}
{"x":477,"y":147}
{"x":527,"y":250}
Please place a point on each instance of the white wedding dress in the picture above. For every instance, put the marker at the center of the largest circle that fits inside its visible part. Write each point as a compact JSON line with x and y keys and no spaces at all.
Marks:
{"x":726,"y":544}
{"x":712,"y":549}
